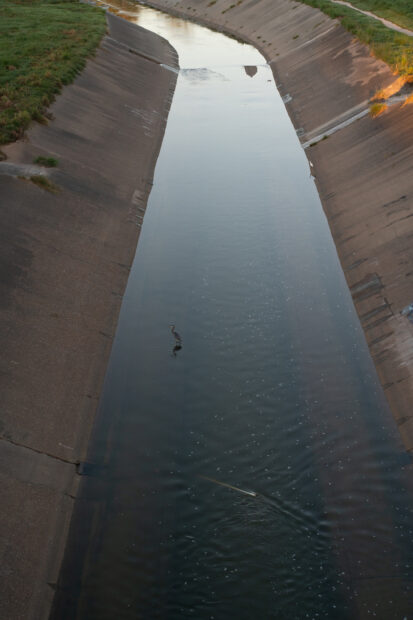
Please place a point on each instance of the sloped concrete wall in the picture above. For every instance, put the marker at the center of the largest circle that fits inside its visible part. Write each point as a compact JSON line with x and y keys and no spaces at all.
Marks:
{"x":65,"y":260}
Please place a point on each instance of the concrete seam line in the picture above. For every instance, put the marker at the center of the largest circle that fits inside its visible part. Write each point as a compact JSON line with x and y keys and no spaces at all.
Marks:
{"x":141,"y":54}
{"x":51,"y":456}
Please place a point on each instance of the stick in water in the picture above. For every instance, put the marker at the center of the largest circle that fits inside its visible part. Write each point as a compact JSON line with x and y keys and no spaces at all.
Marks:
{"x":229,"y":486}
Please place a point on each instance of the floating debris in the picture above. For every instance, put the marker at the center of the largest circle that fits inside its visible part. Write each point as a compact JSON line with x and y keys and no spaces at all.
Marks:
{"x":230,"y":486}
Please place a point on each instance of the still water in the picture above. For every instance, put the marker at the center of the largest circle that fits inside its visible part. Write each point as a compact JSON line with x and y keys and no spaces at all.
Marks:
{"x":273,"y":391}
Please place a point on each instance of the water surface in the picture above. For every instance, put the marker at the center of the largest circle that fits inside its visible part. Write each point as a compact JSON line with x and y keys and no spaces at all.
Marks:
{"x":273,"y":391}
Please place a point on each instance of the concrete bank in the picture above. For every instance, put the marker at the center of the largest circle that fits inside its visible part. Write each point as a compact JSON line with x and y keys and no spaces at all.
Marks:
{"x":362,"y":171}
{"x":65,"y":259}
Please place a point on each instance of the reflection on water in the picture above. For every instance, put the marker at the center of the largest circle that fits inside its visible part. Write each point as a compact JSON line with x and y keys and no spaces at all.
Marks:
{"x":201,"y":74}
{"x":257,"y":473}
{"x":250,"y":70}
{"x":178,"y":341}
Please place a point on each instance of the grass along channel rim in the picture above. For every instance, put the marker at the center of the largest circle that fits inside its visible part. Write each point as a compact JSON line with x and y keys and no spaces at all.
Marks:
{"x":392,"y":47}
{"x":44,"y":44}
{"x":399,"y":12}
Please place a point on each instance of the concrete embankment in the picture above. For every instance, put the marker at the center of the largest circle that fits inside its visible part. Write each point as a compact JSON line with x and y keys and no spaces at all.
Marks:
{"x":65,"y":259}
{"x":362,"y":171}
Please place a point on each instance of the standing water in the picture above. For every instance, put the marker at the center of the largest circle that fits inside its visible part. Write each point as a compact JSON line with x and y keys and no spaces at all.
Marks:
{"x":248,"y":468}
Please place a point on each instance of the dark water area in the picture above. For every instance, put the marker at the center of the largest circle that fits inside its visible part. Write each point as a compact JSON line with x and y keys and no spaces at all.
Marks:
{"x":255,"y":472}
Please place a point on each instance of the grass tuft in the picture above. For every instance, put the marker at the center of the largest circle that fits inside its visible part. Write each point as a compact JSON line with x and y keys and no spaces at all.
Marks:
{"x":377,"y":108}
{"x":48,"y":162}
{"x":44,"y":183}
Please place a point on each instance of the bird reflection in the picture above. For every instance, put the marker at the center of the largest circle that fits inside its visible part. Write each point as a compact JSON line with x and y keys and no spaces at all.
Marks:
{"x":178,"y":341}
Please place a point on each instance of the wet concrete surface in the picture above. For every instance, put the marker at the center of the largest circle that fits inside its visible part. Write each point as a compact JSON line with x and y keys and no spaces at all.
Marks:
{"x":64,"y":264}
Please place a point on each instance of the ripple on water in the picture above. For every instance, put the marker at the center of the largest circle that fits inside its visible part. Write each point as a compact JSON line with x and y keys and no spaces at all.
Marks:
{"x":273,"y":391}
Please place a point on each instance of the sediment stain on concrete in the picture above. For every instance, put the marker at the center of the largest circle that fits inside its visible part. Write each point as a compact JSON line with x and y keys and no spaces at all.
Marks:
{"x":65,"y":261}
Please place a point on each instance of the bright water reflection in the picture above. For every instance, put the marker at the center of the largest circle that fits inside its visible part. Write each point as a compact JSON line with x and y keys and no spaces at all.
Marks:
{"x":273,"y":390}
{"x":196,"y":46}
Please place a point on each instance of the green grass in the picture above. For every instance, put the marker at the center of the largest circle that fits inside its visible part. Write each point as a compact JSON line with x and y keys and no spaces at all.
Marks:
{"x":398,"y":11}
{"x":377,"y":108}
{"x":393,"y":48}
{"x":44,"y":183}
{"x":43,"y":45}
{"x":48,"y":162}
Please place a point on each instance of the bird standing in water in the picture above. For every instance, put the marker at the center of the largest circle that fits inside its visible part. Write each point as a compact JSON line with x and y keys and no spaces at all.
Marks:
{"x":178,"y":340}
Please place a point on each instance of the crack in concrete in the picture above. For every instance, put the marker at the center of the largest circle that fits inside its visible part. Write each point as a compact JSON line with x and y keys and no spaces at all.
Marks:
{"x":48,"y":454}
{"x":141,"y":54}
{"x":319,"y":36}
{"x":132,"y":50}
